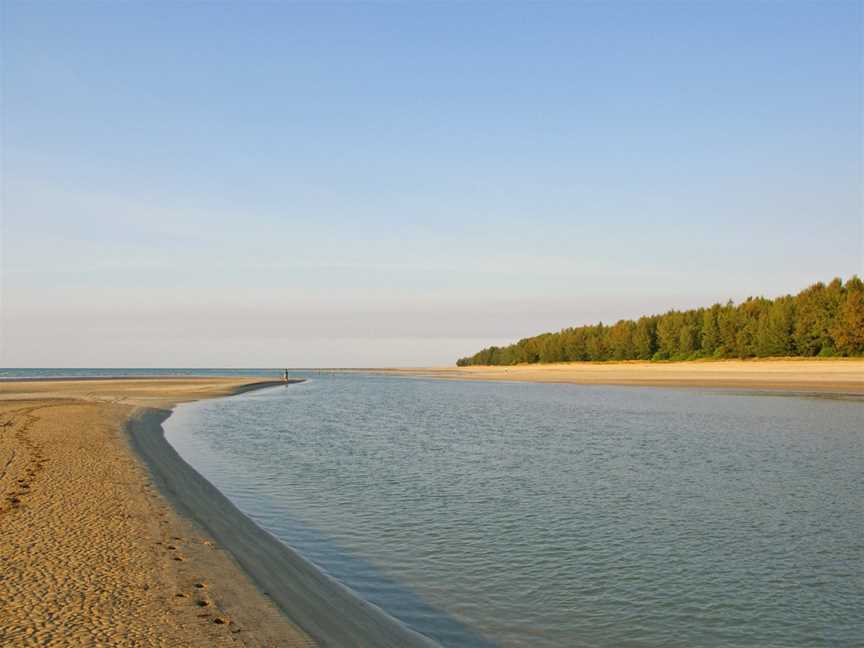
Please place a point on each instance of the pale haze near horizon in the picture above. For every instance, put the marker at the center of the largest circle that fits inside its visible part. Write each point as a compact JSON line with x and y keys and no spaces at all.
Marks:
{"x":390,"y":185}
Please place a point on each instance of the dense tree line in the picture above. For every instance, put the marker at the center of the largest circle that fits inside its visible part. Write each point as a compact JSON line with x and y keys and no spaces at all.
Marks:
{"x":823,"y":320}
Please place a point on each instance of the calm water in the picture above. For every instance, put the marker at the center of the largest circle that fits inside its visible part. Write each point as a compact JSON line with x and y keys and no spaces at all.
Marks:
{"x":501,"y":514}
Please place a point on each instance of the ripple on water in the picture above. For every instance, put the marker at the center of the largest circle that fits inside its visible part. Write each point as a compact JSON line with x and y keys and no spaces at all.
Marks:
{"x":557,"y":515}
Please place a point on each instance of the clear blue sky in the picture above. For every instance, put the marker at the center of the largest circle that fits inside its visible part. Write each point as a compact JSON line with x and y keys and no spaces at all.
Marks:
{"x":259,"y":184}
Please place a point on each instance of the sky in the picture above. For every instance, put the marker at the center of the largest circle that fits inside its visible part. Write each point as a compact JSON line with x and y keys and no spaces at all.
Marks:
{"x":401,"y":184}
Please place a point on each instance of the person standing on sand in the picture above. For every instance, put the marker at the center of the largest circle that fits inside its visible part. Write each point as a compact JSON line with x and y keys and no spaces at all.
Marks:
{"x":285,"y":376}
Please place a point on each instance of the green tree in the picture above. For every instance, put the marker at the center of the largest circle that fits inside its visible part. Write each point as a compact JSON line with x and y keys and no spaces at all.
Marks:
{"x":669,"y":333}
{"x":727,"y":322}
{"x":596,"y":344}
{"x":686,"y":340}
{"x":551,"y":349}
{"x":774,"y":335}
{"x":575,"y":345}
{"x":847,"y":330}
{"x":644,"y":346}
{"x":620,"y":339}
{"x":820,"y":320}
{"x":710,"y":330}
{"x":816,"y":311}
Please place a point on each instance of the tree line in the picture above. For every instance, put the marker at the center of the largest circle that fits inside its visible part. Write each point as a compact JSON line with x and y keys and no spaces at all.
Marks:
{"x":823,"y":320}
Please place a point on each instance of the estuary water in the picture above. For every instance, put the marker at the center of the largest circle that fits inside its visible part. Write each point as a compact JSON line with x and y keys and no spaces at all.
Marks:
{"x":512,"y":514}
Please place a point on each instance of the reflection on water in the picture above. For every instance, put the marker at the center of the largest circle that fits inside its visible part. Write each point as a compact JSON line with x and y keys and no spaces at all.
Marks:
{"x":557,"y":515}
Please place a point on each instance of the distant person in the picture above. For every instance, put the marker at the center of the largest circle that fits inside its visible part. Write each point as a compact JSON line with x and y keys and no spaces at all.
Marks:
{"x":285,"y":376}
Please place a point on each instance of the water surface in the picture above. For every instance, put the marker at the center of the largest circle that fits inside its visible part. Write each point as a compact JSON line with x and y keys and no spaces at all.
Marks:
{"x":516,"y":514}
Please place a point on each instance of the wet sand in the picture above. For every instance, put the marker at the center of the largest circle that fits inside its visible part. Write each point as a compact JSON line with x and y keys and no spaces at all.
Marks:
{"x":834,"y":376}
{"x":108,"y":538}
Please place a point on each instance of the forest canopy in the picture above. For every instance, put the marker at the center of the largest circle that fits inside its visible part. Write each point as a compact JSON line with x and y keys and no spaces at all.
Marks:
{"x":822,"y":320}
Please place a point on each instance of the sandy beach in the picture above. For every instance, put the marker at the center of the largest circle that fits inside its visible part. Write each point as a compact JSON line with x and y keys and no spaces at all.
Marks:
{"x":92,"y":554}
{"x":830,"y":376}
{"x":105,"y":533}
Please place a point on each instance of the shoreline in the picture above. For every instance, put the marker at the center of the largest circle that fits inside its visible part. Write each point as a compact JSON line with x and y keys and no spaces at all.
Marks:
{"x":793,"y":375}
{"x":87,"y":461}
{"x":330,"y":613}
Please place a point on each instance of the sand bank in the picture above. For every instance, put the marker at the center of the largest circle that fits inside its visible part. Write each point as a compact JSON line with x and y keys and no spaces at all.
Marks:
{"x":838,"y":376}
{"x":100,"y":548}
